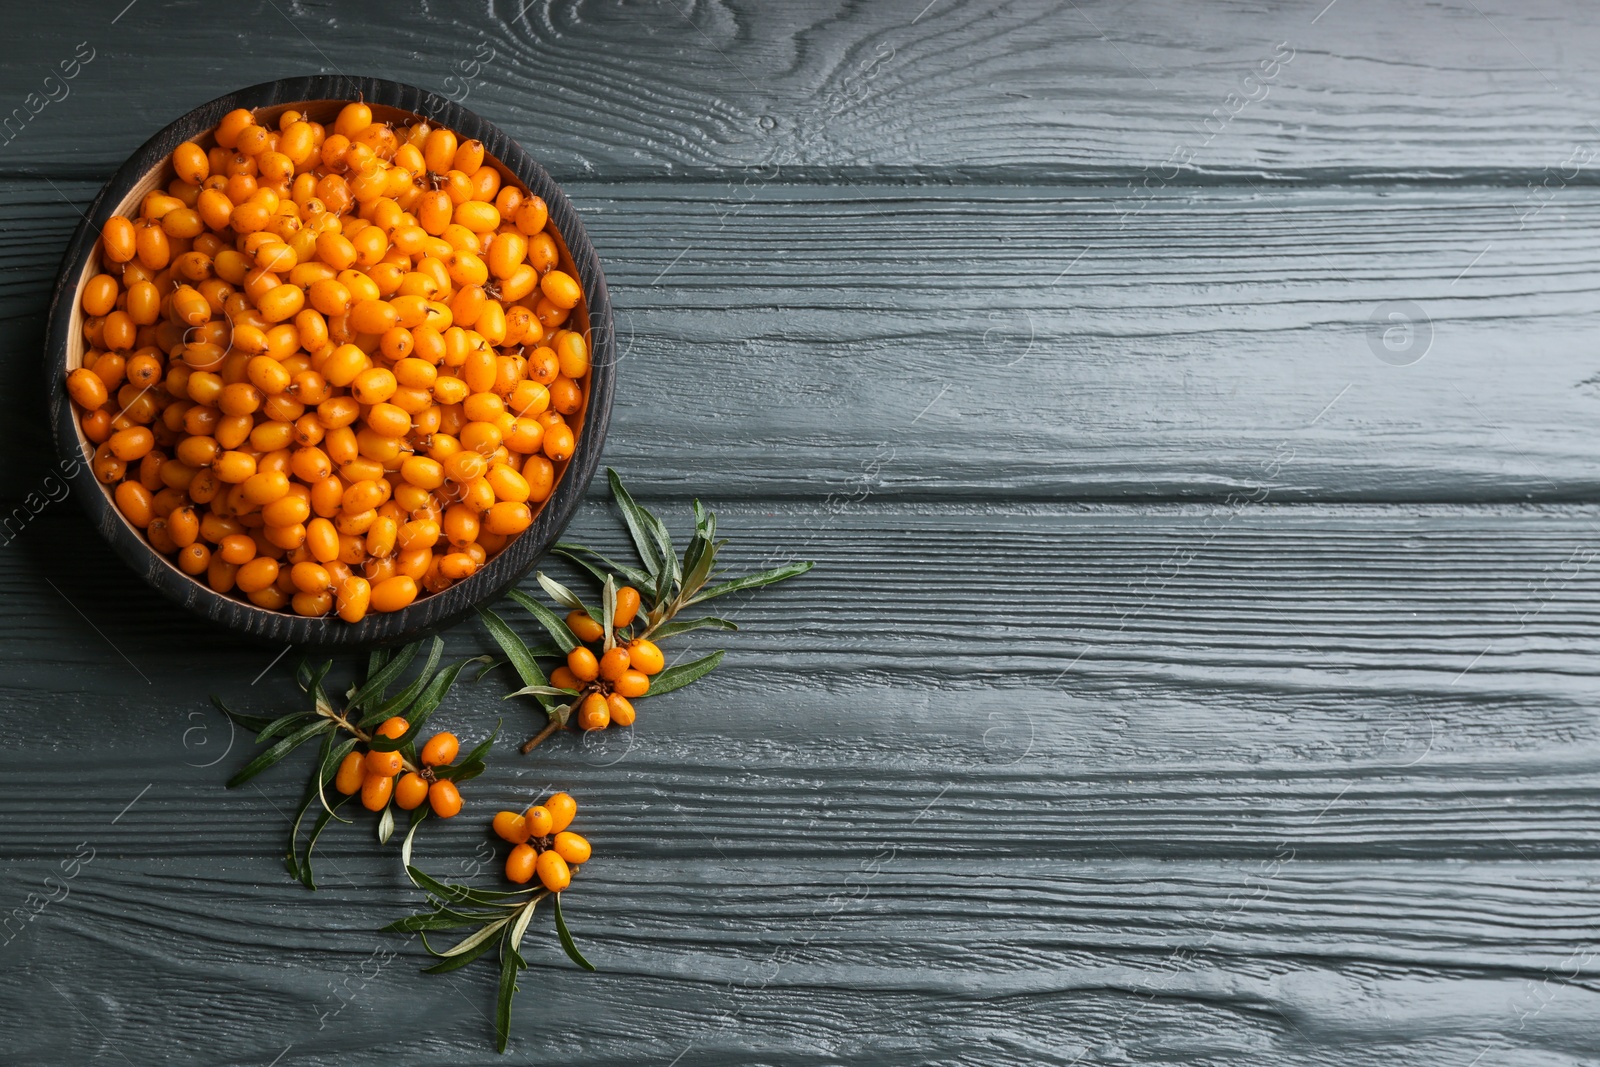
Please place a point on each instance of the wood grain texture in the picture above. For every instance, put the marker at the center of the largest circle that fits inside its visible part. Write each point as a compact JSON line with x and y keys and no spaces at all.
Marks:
{"x":957,"y":344}
{"x":1180,"y":680}
{"x":953,"y":91}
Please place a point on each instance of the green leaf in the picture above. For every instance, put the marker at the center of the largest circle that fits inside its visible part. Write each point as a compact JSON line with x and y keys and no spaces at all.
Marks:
{"x":510,"y":964}
{"x":678,"y":677}
{"x":520,"y":927}
{"x":576,"y":553}
{"x":541,"y":691}
{"x":561,"y":594}
{"x":459,"y":894}
{"x":548,"y":619}
{"x":291,"y":858}
{"x":464,"y":771}
{"x":697,"y":571}
{"x":375,"y":661}
{"x":252,"y":723}
{"x":316,"y":832}
{"x":455,"y":963}
{"x":566,"y":939}
{"x":332,"y":755}
{"x":425,"y":705}
{"x":638,"y":521}
{"x":481,"y":749}
{"x":754,"y":581}
{"x":397,"y":704}
{"x":309,"y":679}
{"x":386,"y":673}
{"x":608,"y":611}
{"x":672,"y":629}
{"x":437,"y":919}
{"x":473,"y":940}
{"x":278,"y":751}
{"x":417,"y":817}
{"x":386,"y":824}
{"x":281,"y":725}
{"x":516,"y":650}
{"x":669,"y":555}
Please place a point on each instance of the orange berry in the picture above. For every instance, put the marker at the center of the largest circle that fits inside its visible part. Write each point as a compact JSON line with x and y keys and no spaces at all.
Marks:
{"x":444,"y":798}
{"x":594,"y":714}
{"x":583,"y":665}
{"x":584,"y":627}
{"x":520,"y":864}
{"x":562,"y":678}
{"x":553,"y":871}
{"x":645,"y":657}
{"x":539,"y":821}
{"x":352,"y":772}
{"x":627,"y":606}
{"x":411,"y":791}
{"x":511,"y":826}
{"x":440,"y":750}
{"x":613,"y":664}
{"x":375,"y":791}
{"x":632,"y":684}
{"x":562,"y":808}
{"x":395,"y":726}
{"x":385,"y":763}
{"x":571,"y":847}
{"x":621,"y":709}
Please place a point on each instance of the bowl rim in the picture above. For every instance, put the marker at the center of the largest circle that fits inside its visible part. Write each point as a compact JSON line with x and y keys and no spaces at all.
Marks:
{"x":430,"y":613}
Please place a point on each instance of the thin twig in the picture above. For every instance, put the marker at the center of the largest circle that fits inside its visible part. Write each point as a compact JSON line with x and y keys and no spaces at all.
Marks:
{"x":529,"y":745}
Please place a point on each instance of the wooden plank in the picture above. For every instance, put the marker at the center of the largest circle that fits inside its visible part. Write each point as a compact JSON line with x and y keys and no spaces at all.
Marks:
{"x":812,"y":341}
{"x":717,"y":959}
{"x":1426,"y":677}
{"x":906,"y":90}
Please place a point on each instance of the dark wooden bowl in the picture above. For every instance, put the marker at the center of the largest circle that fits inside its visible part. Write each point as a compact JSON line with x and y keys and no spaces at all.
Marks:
{"x":320,"y":97}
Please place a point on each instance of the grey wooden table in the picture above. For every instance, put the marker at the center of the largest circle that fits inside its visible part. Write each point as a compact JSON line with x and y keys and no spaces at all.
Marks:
{"x":1192,"y":412}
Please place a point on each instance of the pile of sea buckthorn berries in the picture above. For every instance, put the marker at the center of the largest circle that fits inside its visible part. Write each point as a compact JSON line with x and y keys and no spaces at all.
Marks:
{"x":606,"y":682}
{"x":373,"y":774}
{"x":326,"y":365}
{"x":544,"y":845}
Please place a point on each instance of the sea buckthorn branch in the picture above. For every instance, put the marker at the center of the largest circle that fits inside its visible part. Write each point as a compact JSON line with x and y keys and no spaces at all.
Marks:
{"x":599,"y":684}
{"x":542,"y":846}
{"x":366,"y":746}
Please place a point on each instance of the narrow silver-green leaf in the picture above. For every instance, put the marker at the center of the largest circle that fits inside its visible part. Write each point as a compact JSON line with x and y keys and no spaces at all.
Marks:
{"x":541,"y":691}
{"x":510,"y":964}
{"x":455,"y":963}
{"x":608,"y":611}
{"x":477,"y":938}
{"x":515,"y":648}
{"x":386,"y":824}
{"x":674,"y":628}
{"x":552,"y":622}
{"x":566,"y":939}
{"x":397,"y":704}
{"x":578,"y":555}
{"x":278,"y":751}
{"x":281,"y":725}
{"x":386,"y":673}
{"x":520,"y":927}
{"x":332,"y":755}
{"x":637,"y":520}
{"x":249,"y":722}
{"x":560,"y":593}
{"x":678,"y":677}
{"x":405,"y":846}
{"x":754,"y":581}
{"x":316,"y":832}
